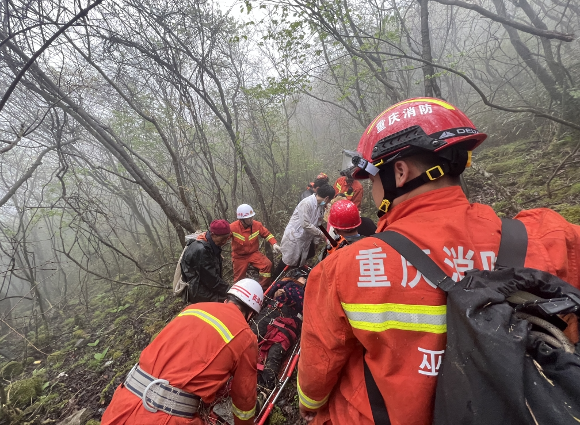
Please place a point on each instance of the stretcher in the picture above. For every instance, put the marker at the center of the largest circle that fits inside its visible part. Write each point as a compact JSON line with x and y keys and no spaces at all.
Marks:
{"x":261,"y":417}
{"x":281,"y":382}
{"x":284,"y":374}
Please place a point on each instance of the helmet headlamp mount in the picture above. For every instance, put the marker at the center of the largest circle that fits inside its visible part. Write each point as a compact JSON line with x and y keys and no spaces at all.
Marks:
{"x":354,"y":160}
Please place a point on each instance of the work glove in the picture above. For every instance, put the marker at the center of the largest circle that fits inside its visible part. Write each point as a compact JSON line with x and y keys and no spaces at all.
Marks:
{"x":277,"y":248}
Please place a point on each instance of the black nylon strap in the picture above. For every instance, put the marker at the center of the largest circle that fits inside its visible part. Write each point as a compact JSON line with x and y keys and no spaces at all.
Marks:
{"x":514,"y":244}
{"x":418,"y":258}
{"x":378,"y":407}
{"x":423,"y":179}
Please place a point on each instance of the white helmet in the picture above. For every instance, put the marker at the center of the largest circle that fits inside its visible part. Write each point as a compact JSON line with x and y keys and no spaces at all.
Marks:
{"x":249,"y":292}
{"x":245,"y":211}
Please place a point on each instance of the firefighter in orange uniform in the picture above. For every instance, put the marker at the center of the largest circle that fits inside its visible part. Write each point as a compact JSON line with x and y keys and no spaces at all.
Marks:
{"x":351,"y":188}
{"x":369,"y":316}
{"x":190,"y":360}
{"x":245,"y":245}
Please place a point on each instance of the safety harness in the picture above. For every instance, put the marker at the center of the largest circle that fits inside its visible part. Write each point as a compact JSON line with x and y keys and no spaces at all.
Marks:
{"x":156,"y":394}
{"x":283,"y":331}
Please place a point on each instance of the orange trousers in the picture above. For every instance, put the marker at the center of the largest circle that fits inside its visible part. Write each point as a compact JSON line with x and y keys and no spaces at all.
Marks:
{"x":257,"y":260}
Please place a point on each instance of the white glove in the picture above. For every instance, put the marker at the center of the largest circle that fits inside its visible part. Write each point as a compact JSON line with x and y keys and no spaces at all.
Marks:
{"x":277,"y":248}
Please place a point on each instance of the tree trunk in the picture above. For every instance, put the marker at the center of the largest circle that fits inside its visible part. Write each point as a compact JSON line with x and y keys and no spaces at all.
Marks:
{"x":431,"y":87}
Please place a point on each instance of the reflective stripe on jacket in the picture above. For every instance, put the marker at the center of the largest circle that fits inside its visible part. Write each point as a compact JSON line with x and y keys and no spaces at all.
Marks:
{"x":353,"y":192}
{"x":245,"y":240}
{"x":197,"y":352}
{"x":367,"y":298}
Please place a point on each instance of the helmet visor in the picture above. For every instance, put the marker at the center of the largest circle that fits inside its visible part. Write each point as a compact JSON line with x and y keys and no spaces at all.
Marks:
{"x":354,"y":164}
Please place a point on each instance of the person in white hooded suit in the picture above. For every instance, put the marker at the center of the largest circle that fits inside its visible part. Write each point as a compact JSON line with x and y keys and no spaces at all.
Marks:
{"x":302,"y":229}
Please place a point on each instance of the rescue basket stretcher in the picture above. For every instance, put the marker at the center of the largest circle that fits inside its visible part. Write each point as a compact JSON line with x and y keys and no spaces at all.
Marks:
{"x":287,"y":369}
{"x":283,"y":378}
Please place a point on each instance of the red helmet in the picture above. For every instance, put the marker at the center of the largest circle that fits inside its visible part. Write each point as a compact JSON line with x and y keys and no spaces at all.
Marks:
{"x":423,"y":123}
{"x":322,"y":176}
{"x":344,"y":215}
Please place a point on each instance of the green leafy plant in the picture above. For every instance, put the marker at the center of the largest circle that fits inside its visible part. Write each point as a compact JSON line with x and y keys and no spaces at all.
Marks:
{"x":123,"y":307}
{"x":101,"y":356}
{"x":93,"y":344}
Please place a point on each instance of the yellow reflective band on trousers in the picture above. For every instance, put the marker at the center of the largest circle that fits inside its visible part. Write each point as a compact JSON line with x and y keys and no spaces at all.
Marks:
{"x":266,"y":274}
{"x":270,"y":236}
{"x":406,"y":317}
{"x":243,"y":415}
{"x":237,"y":235}
{"x":213,"y":321}
{"x":307,"y":401}
{"x":338,"y":186}
{"x":253,"y":235}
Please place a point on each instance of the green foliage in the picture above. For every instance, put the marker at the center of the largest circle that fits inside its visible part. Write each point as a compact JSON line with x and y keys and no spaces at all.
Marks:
{"x":79,"y":333}
{"x":101,"y":356}
{"x":69,"y":322}
{"x":23,"y":393}
{"x":513,"y":164}
{"x":56,"y":357}
{"x":119,"y":309}
{"x":38,"y":372}
{"x":11,"y":370}
{"x":276,"y":417}
{"x":98,"y":316}
{"x":571,"y":213}
{"x":159,"y":300}
{"x":154,"y":327}
{"x":120,"y":320}
{"x":93,"y":422}
{"x":93,"y":344}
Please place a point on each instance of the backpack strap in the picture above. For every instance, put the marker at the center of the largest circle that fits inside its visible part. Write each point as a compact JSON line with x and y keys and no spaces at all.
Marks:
{"x":378,"y":407}
{"x":513,"y":246}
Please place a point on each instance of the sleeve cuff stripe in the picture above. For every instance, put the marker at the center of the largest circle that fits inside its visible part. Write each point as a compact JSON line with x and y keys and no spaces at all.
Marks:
{"x":310,"y":403}
{"x":243,"y":415}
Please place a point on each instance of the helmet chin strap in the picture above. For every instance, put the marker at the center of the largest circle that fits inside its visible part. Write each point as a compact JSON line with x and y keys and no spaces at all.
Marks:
{"x":391,"y":191}
{"x":453,"y":163}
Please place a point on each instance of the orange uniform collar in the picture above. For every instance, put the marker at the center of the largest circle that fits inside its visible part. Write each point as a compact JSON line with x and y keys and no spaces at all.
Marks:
{"x":432,"y":201}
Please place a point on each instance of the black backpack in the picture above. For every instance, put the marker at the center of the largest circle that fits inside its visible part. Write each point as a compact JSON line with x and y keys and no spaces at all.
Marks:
{"x":506,"y":360}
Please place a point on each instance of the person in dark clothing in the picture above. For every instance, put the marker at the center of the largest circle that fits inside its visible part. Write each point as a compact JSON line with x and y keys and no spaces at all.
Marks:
{"x":201,"y":265}
{"x":278,"y":325}
{"x":309,"y":191}
{"x":367,"y":227}
{"x":313,"y":186}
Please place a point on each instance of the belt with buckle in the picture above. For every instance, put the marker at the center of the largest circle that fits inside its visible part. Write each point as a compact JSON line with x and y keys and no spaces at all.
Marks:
{"x":156,"y":394}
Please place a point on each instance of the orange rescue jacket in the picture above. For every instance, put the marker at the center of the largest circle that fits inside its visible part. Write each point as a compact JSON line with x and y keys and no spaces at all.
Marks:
{"x":368,"y":300}
{"x":245,"y":240}
{"x":197,"y":352}
{"x":355,"y":195}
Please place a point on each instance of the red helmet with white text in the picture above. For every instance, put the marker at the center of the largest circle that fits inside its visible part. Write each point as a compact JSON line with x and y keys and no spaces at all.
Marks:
{"x":416,"y":126}
{"x":409,"y":127}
